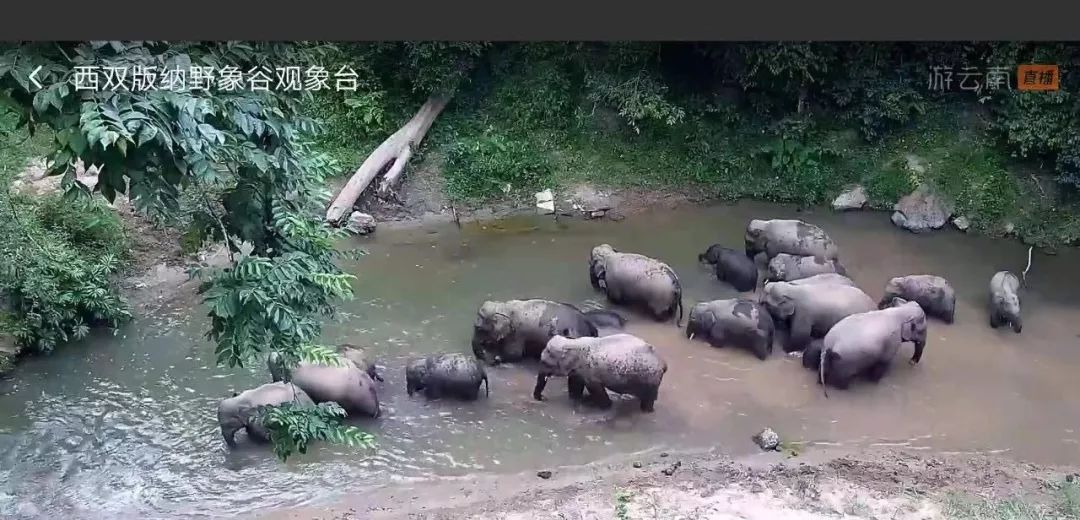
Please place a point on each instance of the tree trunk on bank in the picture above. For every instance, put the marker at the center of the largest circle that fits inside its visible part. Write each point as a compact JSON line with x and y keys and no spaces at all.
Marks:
{"x":391,"y":157}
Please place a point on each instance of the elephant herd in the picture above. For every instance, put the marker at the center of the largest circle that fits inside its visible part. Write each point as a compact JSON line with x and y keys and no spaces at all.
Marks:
{"x":805,"y":290}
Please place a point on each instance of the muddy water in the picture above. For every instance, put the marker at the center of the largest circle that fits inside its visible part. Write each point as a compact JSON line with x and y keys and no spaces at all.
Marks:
{"x":124,"y":426}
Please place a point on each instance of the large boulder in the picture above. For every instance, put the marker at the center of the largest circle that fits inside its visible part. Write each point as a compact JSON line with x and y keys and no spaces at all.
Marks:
{"x":545,"y":202}
{"x":853,"y":198}
{"x":360,"y":223}
{"x":924,"y":209}
{"x":592,"y":203}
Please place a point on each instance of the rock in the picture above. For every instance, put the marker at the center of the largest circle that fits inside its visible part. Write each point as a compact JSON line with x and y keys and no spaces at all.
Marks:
{"x":670,"y":470}
{"x":545,"y":202}
{"x":663,"y":454}
{"x":915,"y":164}
{"x":767,"y":439}
{"x":9,"y":352}
{"x":961,"y":223}
{"x":1010,"y":228}
{"x":922,"y":210}
{"x":591,"y":202}
{"x":637,"y":463}
{"x":853,"y":198}
{"x":616,"y":216}
{"x":545,"y":474}
{"x":360,"y":223}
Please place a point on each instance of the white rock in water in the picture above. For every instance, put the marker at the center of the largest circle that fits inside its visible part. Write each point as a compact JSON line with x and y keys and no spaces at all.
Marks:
{"x":545,"y":202}
{"x":360,"y":223}
{"x":767,"y":439}
{"x":854,"y":198}
{"x":961,"y":223}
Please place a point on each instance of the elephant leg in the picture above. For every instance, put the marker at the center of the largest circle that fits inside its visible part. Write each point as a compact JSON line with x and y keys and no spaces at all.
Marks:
{"x":801,"y":329}
{"x":576,"y":385}
{"x":877,"y":370}
{"x":716,"y":337}
{"x":648,"y":399}
{"x":598,"y":395}
{"x":514,"y":349}
{"x":431,"y":391}
{"x":995,"y":319}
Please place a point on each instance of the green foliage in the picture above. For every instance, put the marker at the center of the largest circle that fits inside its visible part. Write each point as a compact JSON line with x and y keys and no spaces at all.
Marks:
{"x":482,"y":167}
{"x":250,"y":147}
{"x":293,"y":427}
{"x":638,"y":98}
{"x":57,"y":278}
{"x":801,"y":170}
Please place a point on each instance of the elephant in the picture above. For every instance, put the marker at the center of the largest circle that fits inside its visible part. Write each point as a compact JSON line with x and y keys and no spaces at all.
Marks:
{"x":518,"y":329}
{"x":811,"y":310}
{"x":785,"y":268}
{"x":633,"y":279}
{"x":825,"y":279}
{"x":346,"y":385}
{"x":933,"y":293}
{"x":242,"y":410}
{"x":793,"y":237}
{"x":812,"y":355}
{"x":731,"y":266}
{"x":360,"y":358}
{"x":622,"y":363}
{"x":1005,"y":301}
{"x":738,"y":321}
{"x":455,"y":375}
{"x":605,"y":319}
{"x":866,"y":343}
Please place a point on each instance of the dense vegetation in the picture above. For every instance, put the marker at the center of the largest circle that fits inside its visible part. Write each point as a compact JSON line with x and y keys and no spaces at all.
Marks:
{"x":793,"y":122}
{"x":784,"y":122}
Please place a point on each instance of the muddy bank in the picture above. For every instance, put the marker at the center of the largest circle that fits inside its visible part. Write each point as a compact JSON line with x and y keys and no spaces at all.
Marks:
{"x":879,"y":484}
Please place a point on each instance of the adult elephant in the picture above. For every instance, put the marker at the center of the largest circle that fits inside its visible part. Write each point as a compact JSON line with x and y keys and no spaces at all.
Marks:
{"x":825,"y":279}
{"x":785,"y":268}
{"x":241,"y":411}
{"x":636,"y":280}
{"x":793,"y":237}
{"x":453,"y":375}
{"x":811,"y":310}
{"x":346,"y":384}
{"x":622,"y":363}
{"x":933,"y":293}
{"x":518,"y":329}
{"x":731,"y":266}
{"x":866,"y":343}
{"x":738,"y":321}
{"x":1005,"y":301}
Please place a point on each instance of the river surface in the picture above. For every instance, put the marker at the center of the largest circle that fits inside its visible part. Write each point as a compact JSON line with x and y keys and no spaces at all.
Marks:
{"x":124,"y":426}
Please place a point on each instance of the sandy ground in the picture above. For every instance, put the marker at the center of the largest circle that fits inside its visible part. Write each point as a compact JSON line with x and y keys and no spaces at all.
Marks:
{"x":706,"y":485}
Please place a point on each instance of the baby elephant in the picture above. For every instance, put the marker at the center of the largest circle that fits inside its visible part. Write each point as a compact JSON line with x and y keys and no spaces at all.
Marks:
{"x":1005,"y":301}
{"x":785,"y":268}
{"x":622,"y":363}
{"x":732,"y":267}
{"x":451,"y":375}
{"x":605,"y":319}
{"x":740,"y":322}
{"x":242,"y":410}
{"x":359,"y":357}
{"x":933,"y":293}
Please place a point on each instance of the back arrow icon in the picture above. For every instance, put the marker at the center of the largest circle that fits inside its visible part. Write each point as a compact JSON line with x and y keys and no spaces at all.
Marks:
{"x":32,"y":74}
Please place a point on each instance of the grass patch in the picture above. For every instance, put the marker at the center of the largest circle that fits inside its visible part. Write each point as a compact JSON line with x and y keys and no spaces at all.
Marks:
{"x":1065,"y":505}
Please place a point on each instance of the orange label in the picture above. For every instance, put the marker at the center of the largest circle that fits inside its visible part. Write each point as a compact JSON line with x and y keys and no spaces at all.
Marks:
{"x":1037,"y":77}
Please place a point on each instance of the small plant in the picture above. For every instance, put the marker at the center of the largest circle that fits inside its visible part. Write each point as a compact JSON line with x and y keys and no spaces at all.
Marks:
{"x":622,"y":504}
{"x":292,"y":429}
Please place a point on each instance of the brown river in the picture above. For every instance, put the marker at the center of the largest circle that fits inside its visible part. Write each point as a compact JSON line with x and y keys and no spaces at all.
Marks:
{"x":124,"y":426}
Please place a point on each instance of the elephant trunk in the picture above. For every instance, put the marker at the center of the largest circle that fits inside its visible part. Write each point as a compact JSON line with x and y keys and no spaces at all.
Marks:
{"x":541,"y":382}
{"x":822,"y":366}
{"x":229,"y":434}
{"x":1017,"y":324}
{"x":919,"y":346}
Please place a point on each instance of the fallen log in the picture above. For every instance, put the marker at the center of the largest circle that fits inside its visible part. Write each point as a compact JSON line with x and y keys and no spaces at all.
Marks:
{"x":391,"y":157}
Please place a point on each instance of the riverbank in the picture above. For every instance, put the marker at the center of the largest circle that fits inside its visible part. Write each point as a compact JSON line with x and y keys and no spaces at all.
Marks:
{"x":879,"y":484}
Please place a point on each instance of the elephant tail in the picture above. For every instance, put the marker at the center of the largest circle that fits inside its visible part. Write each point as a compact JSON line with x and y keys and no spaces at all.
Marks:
{"x":823,"y":363}
{"x":487,"y":386}
{"x":678,"y":303}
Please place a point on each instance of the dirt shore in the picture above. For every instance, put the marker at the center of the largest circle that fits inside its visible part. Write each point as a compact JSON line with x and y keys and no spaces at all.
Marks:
{"x":706,"y":484}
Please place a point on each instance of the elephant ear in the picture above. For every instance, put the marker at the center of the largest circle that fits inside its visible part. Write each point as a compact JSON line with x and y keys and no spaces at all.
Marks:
{"x":786,"y":306}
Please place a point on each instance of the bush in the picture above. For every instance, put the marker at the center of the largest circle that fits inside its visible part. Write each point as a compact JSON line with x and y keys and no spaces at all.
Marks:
{"x":56,"y":274}
{"x":482,"y":167}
